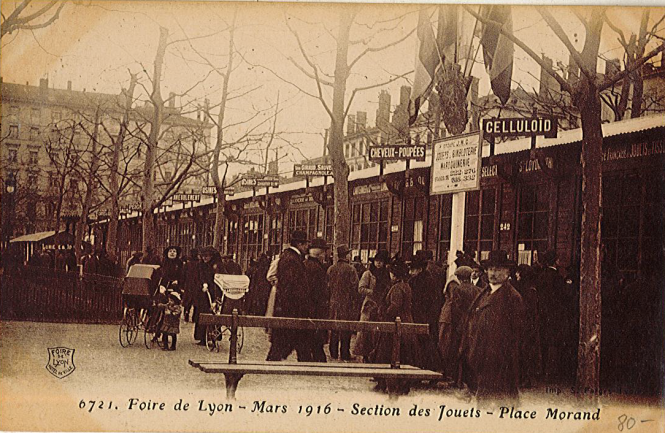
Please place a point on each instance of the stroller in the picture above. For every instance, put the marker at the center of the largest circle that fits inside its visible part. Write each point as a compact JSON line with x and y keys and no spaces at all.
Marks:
{"x":233,"y":290}
{"x":139,"y":288}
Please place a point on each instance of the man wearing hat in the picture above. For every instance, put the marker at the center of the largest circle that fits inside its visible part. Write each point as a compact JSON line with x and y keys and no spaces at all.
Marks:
{"x":319,"y":295}
{"x":229,"y":266}
{"x":344,"y":302}
{"x":454,"y":313}
{"x":491,"y":345}
{"x":425,"y":308}
{"x":291,"y":300}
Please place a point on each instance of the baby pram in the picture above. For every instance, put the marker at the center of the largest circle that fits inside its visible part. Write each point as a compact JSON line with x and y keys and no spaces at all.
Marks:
{"x":233,"y":289}
{"x":138,"y":290}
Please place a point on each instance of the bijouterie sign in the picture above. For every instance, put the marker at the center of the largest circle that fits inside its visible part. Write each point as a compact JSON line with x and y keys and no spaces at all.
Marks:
{"x":512,"y":127}
{"x":379,"y":153}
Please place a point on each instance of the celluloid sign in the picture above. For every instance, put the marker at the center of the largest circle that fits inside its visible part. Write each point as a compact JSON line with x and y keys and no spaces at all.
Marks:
{"x":456,"y":164}
{"x":513,"y":127}
{"x":300,"y":170}
{"x":397,"y":153}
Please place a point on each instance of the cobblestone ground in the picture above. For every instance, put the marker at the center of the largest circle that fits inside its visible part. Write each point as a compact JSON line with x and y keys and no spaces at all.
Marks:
{"x":31,"y":398}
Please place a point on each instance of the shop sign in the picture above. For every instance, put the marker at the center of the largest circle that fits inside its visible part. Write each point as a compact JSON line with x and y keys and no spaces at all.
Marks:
{"x":513,"y":127}
{"x":367,"y":189}
{"x":250,"y":205}
{"x":302,"y":198}
{"x":186,"y":197}
{"x":456,"y":164}
{"x":635,"y":150}
{"x":211,"y":190}
{"x":530,"y":165}
{"x":264,"y":182}
{"x":310,"y":170}
{"x":490,"y":171}
{"x":397,"y":153}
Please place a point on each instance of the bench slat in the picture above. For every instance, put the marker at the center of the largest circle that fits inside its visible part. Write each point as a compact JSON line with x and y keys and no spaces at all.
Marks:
{"x":315,"y":324}
{"x":354,"y":365}
{"x":321,"y":370}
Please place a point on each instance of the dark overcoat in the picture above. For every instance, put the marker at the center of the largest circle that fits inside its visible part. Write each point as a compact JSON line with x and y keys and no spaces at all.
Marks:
{"x":397,"y":304}
{"x":291,"y":299}
{"x":344,"y":298}
{"x":491,"y":344}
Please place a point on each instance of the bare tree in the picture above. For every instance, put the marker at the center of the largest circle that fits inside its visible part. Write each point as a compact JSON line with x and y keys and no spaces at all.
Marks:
{"x":340,"y":106}
{"x":25,"y":17}
{"x":585,"y":94}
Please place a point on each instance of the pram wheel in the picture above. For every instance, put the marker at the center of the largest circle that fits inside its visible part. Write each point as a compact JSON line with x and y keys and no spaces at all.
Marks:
{"x":214,"y":337}
{"x":128,"y":328}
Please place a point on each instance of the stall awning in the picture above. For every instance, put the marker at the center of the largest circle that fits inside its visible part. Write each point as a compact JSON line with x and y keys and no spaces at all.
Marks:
{"x":33,"y":237}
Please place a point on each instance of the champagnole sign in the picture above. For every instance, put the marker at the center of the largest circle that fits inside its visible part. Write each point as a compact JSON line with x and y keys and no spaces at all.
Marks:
{"x":397,"y":153}
{"x":512,"y":127}
{"x":301,"y":170}
{"x":456,"y":164}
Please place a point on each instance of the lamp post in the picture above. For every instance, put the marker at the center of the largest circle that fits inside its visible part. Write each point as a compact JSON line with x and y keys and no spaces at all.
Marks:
{"x":10,"y":190}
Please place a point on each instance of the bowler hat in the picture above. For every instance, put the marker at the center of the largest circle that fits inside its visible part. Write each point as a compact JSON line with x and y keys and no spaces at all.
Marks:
{"x":398,"y":267}
{"x":382,"y":256}
{"x":175,"y":295}
{"x":299,"y":236}
{"x":208,"y":251}
{"x":342,"y":251}
{"x":418,"y":262}
{"x":498,"y":259}
{"x":318,"y":243}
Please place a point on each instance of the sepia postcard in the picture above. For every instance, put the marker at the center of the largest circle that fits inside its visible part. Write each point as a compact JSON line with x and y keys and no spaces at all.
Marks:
{"x":331,"y":217}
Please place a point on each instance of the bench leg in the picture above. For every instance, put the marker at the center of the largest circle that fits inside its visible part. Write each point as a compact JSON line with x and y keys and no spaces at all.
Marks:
{"x":232,"y":380}
{"x":397,"y":387}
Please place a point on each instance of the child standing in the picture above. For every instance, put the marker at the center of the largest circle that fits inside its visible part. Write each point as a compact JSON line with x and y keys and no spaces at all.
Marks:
{"x":171,"y":323}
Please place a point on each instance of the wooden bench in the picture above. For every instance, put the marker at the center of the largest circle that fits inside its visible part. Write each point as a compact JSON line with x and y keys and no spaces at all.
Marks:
{"x":394,"y":373}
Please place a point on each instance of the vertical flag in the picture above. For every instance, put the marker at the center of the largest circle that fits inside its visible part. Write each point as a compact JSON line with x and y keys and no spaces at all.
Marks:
{"x":498,"y":50}
{"x":427,"y":60}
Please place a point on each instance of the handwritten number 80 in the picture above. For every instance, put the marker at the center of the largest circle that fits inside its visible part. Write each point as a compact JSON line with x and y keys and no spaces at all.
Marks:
{"x":626,"y":422}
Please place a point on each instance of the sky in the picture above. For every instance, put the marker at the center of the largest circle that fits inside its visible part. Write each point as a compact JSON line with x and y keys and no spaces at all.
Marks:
{"x":95,"y":44}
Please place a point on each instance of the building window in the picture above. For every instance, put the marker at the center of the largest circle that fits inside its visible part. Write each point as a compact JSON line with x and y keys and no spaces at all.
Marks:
{"x":369,"y":228}
{"x":35,"y":115}
{"x":346,"y":150}
{"x":252,"y":239}
{"x":232,"y":239}
{"x":13,"y":113}
{"x":632,"y":223}
{"x":12,"y":156}
{"x":56,"y":115}
{"x":305,"y":220}
{"x":412,"y":225}
{"x":167,"y":175}
{"x":33,"y":157}
{"x":275,"y":235}
{"x":13,"y":131}
{"x":330,"y":224}
{"x":532,"y":223}
{"x":33,"y":181}
{"x":445,"y":223}
{"x":34,"y":133}
{"x":479,"y":224}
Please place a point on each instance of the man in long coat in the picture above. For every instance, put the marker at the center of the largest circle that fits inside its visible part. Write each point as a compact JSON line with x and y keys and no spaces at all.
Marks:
{"x":556,"y":314}
{"x":344,"y":305}
{"x":491,"y":346}
{"x":319,"y":296}
{"x":291,"y":300}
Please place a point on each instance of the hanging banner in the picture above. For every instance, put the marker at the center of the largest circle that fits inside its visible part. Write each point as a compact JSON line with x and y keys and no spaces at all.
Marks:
{"x":456,"y":164}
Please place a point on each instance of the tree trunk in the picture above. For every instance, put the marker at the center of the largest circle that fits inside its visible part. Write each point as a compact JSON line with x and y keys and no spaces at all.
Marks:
{"x":637,"y":78}
{"x":147,"y":194}
{"x":219,"y":144}
{"x":341,"y":235}
{"x":588,"y":368}
{"x":114,"y":184}
{"x":89,"y":191}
